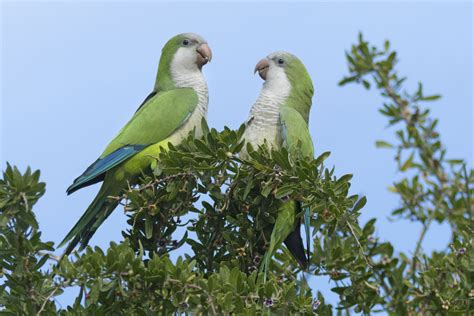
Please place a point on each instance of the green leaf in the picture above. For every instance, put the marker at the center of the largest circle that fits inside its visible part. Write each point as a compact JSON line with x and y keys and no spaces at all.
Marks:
{"x":41,"y":262}
{"x":359,"y":204}
{"x":366,"y":84}
{"x":431,"y":98}
{"x":322,"y":157}
{"x":148,"y":227}
{"x":407,"y":164}
{"x":284,"y":191}
{"x":383,"y":144}
{"x":347,"y":80}
{"x":455,"y":161}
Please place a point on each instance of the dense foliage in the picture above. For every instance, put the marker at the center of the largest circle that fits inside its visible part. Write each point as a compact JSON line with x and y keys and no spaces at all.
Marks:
{"x":228,"y":205}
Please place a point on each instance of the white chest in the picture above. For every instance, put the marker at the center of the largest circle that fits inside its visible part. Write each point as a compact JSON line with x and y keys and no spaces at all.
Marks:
{"x":191,"y":77}
{"x":263,"y":123}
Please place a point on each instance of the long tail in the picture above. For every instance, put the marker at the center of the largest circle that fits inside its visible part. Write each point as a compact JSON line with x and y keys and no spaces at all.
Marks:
{"x":288,"y":231}
{"x":294,"y":243}
{"x":93,"y":217}
{"x":307,"y":225}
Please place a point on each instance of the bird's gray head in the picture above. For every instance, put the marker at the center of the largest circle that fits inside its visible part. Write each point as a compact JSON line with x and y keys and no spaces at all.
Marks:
{"x":276,"y":65}
{"x":184,"y":55}
{"x":282,"y":70}
{"x":190,"y":51}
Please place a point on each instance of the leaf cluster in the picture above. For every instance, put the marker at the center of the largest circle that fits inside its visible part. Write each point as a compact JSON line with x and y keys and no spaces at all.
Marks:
{"x":202,"y":199}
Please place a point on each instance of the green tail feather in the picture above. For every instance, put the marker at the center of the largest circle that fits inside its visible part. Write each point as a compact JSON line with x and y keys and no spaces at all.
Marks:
{"x":92,"y":218}
{"x":284,"y":225}
{"x":264,"y":266}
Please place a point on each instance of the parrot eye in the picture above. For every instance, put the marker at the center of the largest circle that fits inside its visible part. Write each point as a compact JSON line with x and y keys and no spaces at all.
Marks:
{"x":186,"y":42}
{"x":281,"y":61}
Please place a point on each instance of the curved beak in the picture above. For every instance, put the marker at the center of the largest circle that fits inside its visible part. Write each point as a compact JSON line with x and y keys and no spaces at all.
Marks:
{"x":262,"y":68}
{"x":204,"y":54}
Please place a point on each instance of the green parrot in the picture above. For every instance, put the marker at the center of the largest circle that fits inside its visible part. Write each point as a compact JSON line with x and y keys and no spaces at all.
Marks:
{"x":175,"y":107}
{"x":279,"y":117}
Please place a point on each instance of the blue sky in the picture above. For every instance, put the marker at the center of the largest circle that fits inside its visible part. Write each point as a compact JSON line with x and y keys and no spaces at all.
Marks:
{"x":73,"y":73}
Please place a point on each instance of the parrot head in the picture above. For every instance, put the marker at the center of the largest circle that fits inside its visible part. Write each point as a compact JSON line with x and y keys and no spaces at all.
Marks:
{"x":282,"y":69}
{"x":182,"y":55}
{"x":188,"y":50}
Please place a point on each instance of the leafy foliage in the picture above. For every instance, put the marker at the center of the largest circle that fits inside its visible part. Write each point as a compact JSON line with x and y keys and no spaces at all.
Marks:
{"x":26,"y":288}
{"x":228,"y":206}
{"x":433,"y":189}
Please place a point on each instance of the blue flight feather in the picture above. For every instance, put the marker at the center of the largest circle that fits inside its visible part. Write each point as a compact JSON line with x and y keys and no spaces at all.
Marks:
{"x":96,"y":171}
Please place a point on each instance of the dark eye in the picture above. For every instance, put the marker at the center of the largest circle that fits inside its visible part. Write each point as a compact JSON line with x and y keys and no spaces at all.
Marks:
{"x":281,"y":61}
{"x":185,"y":42}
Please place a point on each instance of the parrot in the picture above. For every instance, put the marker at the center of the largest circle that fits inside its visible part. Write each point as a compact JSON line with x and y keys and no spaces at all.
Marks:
{"x":279,"y":117}
{"x":175,"y":107}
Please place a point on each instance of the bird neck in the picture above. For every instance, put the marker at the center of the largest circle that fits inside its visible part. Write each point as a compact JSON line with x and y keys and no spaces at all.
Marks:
{"x":176,"y":74}
{"x":300,"y":97}
{"x":273,"y":95}
{"x":164,"y":81}
{"x":189,"y":78}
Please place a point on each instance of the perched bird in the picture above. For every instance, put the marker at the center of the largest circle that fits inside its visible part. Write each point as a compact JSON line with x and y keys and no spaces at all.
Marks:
{"x":279,"y":118}
{"x":174,"y":108}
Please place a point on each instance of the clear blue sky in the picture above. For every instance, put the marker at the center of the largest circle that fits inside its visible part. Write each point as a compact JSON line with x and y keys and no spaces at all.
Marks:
{"x":73,"y":73}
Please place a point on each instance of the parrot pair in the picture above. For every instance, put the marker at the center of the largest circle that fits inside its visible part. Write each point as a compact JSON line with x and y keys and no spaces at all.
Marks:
{"x":175,"y":107}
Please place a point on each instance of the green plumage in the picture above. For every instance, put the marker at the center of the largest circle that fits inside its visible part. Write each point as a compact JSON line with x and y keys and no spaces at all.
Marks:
{"x":131,"y":152}
{"x":301,"y":86}
{"x":284,"y":225}
{"x":175,"y":105}
{"x":294,"y":135}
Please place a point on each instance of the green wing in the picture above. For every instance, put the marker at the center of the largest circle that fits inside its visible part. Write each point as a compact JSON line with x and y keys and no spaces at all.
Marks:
{"x":283,"y":226}
{"x":96,"y":172}
{"x":295,"y":133}
{"x":297,"y":140}
{"x":154,"y":121}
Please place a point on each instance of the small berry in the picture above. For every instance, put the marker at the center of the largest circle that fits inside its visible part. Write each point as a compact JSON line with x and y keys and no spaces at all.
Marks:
{"x":268,"y":302}
{"x":256,"y":259}
{"x":385,"y":260}
{"x":335,"y":274}
{"x":461,"y":251}
{"x":316,"y":304}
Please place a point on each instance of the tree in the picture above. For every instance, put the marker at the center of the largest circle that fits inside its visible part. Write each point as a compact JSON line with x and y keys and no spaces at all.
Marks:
{"x":229,"y":205}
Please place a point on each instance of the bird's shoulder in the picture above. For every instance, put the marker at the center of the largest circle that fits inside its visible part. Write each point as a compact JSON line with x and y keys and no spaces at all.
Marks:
{"x":156,"y":119}
{"x":168,"y":98}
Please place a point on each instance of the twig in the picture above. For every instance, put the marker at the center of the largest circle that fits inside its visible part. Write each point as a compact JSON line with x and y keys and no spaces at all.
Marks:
{"x":197,"y":287}
{"x":426,"y":225}
{"x":25,"y":200}
{"x":47,"y":300}
{"x":50,"y":255}
{"x":359,"y":244}
{"x":151,"y":184}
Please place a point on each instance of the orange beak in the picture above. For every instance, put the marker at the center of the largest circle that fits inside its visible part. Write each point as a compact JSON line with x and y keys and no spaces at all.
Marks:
{"x":262,"y":68}
{"x":204,"y":54}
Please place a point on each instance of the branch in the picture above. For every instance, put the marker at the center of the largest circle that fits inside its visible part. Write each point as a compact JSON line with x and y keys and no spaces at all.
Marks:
{"x":46,"y":300}
{"x":197,"y":287}
{"x":359,"y":244}
{"x":426,"y":225}
{"x":51,"y":256}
